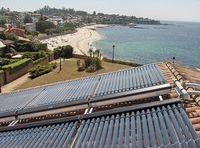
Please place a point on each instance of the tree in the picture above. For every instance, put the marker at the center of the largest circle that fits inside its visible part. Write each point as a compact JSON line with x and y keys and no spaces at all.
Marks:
{"x":42,"y":26}
{"x":2,"y":22}
{"x":90,"y":52}
{"x":42,"y":18}
{"x":94,"y":13}
{"x":67,"y":51}
{"x":97,"y":52}
{"x":28,"y":19}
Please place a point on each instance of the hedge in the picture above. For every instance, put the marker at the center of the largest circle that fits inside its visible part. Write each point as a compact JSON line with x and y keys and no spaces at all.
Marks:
{"x":17,"y":64}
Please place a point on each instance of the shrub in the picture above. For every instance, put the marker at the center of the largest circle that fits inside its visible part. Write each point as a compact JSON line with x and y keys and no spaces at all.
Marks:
{"x":91,"y":68}
{"x":88,"y":62}
{"x":42,"y":69}
{"x":93,"y":65}
{"x":97,"y":63}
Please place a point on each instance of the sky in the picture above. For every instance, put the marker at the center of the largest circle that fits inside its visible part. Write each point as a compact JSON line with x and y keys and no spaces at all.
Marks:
{"x":175,"y":10}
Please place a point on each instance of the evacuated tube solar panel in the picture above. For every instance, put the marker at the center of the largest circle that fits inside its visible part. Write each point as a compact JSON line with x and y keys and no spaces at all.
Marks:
{"x":66,"y":92}
{"x":79,"y":91}
{"x":125,"y":80}
{"x":141,"y":128}
{"x":17,"y":100}
{"x":183,"y":126}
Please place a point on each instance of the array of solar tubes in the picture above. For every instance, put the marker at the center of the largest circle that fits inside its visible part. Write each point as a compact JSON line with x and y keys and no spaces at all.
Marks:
{"x":131,"y":79}
{"x":17,"y":100}
{"x":163,"y":126}
{"x":81,"y":90}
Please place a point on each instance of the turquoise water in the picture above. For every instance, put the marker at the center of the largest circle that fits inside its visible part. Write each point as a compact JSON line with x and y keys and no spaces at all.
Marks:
{"x":153,"y":43}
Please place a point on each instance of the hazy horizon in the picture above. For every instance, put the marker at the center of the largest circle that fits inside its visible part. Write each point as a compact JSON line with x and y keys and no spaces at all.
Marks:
{"x":178,"y":10}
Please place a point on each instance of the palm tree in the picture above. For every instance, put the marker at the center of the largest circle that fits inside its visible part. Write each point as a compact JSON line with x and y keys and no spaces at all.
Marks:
{"x":97,"y":52}
{"x":90,"y":52}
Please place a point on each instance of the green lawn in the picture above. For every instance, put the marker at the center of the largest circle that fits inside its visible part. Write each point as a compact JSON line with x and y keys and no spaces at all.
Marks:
{"x":69,"y":72}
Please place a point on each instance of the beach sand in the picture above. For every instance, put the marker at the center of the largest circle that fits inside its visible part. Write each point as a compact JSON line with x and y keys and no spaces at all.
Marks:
{"x":81,"y":41}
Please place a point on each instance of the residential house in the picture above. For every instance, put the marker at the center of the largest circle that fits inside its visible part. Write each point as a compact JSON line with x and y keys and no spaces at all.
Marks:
{"x":57,"y":21}
{"x":17,"y":31}
{"x":20,"y":33}
{"x":35,"y":17}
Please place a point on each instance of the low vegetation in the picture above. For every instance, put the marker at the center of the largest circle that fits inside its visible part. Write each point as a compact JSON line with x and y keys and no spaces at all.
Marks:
{"x":6,"y":61}
{"x":93,"y":65}
{"x":90,"y":64}
{"x":17,"y":64}
{"x":69,"y":72}
{"x":41,"y":69}
{"x":35,"y":55}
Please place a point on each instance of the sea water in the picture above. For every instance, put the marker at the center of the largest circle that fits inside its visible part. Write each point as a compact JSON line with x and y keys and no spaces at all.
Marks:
{"x":153,"y":43}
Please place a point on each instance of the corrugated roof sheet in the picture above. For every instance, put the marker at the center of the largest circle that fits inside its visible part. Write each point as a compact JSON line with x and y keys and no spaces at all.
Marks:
{"x":162,"y":126}
{"x":80,"y":91}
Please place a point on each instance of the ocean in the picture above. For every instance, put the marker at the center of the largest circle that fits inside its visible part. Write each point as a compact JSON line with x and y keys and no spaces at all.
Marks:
{"x":153,"y":43}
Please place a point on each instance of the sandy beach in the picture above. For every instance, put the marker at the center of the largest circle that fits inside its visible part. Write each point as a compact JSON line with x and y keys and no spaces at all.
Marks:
{"x":81,"y":41}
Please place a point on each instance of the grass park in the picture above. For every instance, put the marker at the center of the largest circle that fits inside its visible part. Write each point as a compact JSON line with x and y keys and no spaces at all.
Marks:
{"x":68,"y":72}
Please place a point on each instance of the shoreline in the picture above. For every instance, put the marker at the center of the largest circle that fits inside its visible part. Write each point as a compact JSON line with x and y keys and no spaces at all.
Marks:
{"x":81,"y":41}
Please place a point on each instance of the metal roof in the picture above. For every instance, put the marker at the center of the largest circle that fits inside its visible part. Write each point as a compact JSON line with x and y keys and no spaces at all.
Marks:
{"x":83,"y":90}
{"x":159,"y":126}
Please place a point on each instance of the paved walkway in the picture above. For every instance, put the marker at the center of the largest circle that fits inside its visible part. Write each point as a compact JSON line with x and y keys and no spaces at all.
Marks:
{"x":12,"y":85}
